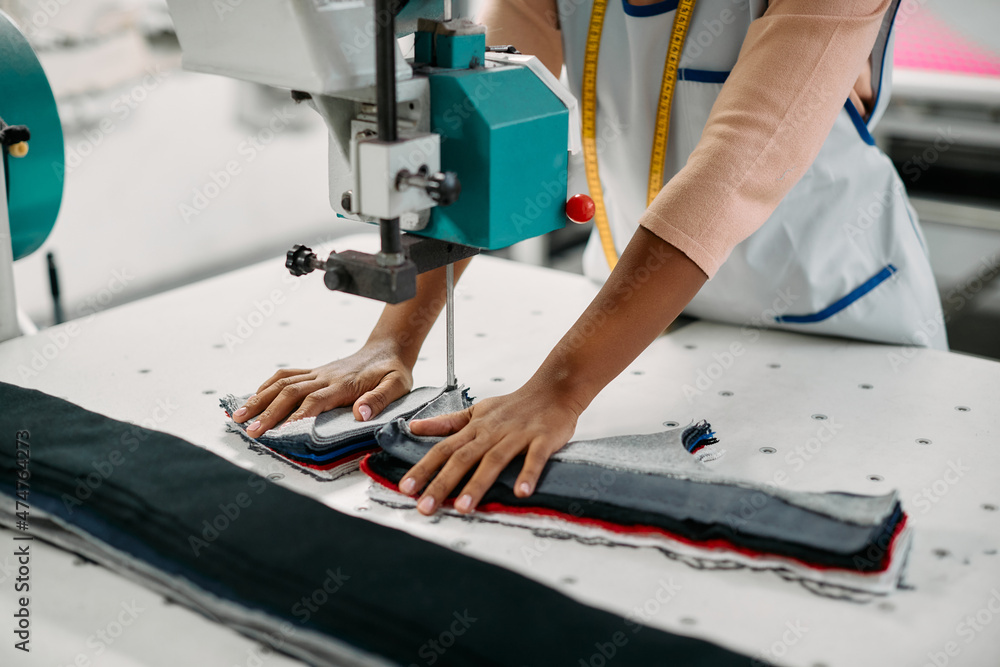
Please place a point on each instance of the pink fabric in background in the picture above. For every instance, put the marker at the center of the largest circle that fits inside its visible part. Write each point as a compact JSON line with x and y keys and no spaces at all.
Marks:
{"x":924,"y":41}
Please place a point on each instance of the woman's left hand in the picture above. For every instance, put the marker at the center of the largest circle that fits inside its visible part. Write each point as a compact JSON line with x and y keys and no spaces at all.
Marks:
{"x":488,"y":436}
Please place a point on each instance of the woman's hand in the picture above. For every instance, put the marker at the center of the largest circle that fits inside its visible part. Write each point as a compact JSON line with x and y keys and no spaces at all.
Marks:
{"x":488,"y":436}
{"x":371,"y":378}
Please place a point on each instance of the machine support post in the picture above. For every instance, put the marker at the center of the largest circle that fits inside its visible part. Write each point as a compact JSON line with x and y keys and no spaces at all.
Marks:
{"x":9,"y":327}
{"x":450,"y":318}
{"x":385,"y":87}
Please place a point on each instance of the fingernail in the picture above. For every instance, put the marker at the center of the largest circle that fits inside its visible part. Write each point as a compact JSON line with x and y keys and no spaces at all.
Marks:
{"x":524,"y":488}
{"x":464,"y":504}
{"x":240,"y":412}
{"x":408,"y":485}
{"x":426,"y":504}
{"x":254,"y":426}
{"x":365,"y":412}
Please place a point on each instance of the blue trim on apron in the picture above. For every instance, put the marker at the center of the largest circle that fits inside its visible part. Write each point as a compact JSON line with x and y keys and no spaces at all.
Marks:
{"x":859,"y":123}
{"x":654,"y":9}
{"x":843,"y":302}
{"x":702,"y":75}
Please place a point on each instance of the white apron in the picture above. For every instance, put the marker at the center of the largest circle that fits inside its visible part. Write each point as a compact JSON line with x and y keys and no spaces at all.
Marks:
{"x":842,"y":254}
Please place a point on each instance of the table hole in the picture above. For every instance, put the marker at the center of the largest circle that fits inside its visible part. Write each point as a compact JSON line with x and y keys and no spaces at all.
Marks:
{"x":690,"y":347}
{"x":275,"y":476}
{"x":941,"y":553}
{"x":362,"y":508}
{"x":876,"y":478}
{"x":887,"y":606}
{"x":990,"y":552}
{"x":568,"y":580}
{"x":218,"y":346}
{"x":536,"y":312}
{"x":421,"y":358}
{"x":866,"y":386}
{"x":963,"y":408}
{"x":725,"y":393}
{"x":282,"y":324}
{"x":638,"y":372}
{"x":459,"y":544}
{"x":688,"y":620}
{"x":774,"y":365}
{"x":819,"y":417}
{"x":208,"y":392}
{"x":143,"y":371}
{"x":923,"y":441}
{"x":671,"y":424}
{"x":989,"y":507}
{"x":496,"y":379}
{"x":768,"y":450}
{"x":282,"y":365}
{"x":350,"y":340}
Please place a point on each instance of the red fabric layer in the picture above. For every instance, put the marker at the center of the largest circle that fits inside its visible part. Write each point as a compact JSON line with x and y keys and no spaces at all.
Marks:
{"x":621,"y":529}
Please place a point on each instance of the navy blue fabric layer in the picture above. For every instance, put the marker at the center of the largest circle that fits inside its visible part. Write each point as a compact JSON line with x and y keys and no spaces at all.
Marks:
{"x":695,"y":510}
{"x":152,"y":493}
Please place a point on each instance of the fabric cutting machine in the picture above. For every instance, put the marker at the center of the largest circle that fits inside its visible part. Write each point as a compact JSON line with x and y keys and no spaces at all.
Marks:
{"x":452,"y":149}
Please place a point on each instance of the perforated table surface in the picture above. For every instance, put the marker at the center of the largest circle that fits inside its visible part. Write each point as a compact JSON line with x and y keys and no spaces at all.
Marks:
{"x":803,"y":412}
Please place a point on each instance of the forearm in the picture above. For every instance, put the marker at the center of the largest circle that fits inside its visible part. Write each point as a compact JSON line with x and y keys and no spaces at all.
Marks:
{"x":648,"y":289}
{"x":530,"y":25}
{"x":406,"y":325}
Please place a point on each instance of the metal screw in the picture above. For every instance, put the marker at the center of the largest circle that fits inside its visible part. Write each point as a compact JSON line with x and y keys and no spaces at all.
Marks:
{"x":866,"y":386}
{"x":725,"y":393}
{"x":275,"y":476}
{"x":876,"y":478}
{"x":819,"y":417}
{"x":989,"y":507}
{"x":962,"y":408}
{"x":774,"y":365}
{"x":768,"y":450}
{"x":671,"y":424}
{"x":923,"y":441}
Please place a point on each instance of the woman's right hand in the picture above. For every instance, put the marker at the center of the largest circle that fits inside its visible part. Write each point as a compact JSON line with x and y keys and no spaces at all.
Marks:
{"x":370,"y":379}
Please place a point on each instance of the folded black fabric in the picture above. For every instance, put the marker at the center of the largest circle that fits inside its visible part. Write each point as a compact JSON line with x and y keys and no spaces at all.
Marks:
{"x":196,"y":518}
{"x":651,"y":481}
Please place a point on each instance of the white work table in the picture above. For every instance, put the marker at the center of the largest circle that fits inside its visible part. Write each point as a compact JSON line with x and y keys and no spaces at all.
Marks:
{"x":163,"y":363}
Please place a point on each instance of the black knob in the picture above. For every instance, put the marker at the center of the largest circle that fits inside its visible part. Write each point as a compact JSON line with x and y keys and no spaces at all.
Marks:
{"x":447,"y":188}
{"x":336,"y":278}
{"x":299,"y":260}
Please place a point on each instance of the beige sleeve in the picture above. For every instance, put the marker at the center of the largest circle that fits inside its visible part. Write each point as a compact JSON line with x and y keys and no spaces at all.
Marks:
{"x":532,"y":26}
{"x":796,"y":69}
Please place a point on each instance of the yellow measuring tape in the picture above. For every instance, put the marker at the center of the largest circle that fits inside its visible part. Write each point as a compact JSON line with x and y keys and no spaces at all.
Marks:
{"x":682,"y":19}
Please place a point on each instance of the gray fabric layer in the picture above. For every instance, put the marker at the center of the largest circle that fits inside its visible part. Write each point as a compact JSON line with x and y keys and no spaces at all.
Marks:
{"x":744,"y":507}
{"x":339,"y":424}
{"x":333,"y":427}
{"x":663,"y":454}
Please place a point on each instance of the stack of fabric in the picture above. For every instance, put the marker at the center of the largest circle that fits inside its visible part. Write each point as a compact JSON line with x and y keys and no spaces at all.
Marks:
{"x":283,"y":568}
{"x":331,"y":445}
{"x":649,"y":491}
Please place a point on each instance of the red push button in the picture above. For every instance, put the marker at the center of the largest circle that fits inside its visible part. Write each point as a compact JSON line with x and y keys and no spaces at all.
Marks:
{"x":580,"y":209}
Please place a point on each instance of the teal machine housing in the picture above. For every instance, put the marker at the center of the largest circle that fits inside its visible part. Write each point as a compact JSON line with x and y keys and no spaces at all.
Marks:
{"x":34,"y":183}
{"x":505,"y":134}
